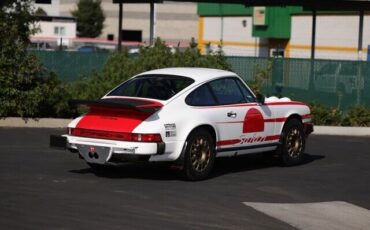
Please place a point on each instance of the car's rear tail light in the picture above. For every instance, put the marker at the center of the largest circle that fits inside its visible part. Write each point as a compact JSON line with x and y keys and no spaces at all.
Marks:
{"x":151,"y":137}
{"x":120,"y":136}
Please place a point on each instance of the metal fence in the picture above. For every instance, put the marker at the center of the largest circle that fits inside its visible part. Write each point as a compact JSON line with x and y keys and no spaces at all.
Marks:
{"x":339,"y":84}
{"x":334,"y":83}
{"x":70,"y":66}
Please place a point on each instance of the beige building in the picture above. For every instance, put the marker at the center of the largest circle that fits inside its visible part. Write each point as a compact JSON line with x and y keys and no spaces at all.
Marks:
{"x":56,"y":30}
{"x":175,"y":22}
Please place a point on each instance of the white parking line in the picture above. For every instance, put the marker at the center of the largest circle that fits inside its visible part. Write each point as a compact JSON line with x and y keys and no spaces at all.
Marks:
{"x":335,"y":215}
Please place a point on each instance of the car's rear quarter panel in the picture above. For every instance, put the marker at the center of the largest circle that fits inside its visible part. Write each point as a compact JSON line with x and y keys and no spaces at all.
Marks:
{"x":286,"y":110}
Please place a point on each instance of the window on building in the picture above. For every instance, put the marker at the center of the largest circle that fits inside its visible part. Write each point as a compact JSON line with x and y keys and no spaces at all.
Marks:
{"x":132,"y":35}
{"x":59,"y":30}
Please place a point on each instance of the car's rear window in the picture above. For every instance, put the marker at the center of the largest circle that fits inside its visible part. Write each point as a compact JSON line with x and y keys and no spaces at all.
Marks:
{"x":161,"y":87}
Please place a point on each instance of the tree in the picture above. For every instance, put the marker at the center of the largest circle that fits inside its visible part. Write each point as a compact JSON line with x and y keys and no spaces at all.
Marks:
{"x":90,"y":18}
{"x":40,"y":12}
{"x":120,"y":66}
{"x":25,"y":86}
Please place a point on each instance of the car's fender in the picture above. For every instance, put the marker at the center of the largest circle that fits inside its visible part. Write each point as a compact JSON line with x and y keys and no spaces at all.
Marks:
{"x":175,"y":121}
{"x":288,"y":110}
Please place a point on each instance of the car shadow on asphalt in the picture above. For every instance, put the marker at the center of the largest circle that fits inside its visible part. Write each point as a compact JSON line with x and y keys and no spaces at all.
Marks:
{"x":252,"y":162}
{"x":162,"y":171}
{"x":139,"y":170}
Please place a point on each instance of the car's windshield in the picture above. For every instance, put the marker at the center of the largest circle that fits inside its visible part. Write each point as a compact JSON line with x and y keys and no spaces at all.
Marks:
{"x":161,"y":87}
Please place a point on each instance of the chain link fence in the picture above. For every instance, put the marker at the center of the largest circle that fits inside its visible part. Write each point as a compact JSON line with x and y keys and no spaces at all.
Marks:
{"x":71,"y":65}
{"x":334,"y":83}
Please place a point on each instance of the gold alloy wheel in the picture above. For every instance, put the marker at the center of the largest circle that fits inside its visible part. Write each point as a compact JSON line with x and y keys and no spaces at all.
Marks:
{"x":294,"y":143}
{"x":200,"y":154}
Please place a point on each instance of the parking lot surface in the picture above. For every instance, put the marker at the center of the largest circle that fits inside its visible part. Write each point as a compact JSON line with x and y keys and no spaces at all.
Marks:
{"x":43,"y":188}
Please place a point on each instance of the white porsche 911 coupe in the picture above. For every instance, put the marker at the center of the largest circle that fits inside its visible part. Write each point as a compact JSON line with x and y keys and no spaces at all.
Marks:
{"x":188,"y":116}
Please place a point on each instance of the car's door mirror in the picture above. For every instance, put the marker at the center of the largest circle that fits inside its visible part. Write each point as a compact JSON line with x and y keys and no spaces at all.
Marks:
{"x":260,"y":98}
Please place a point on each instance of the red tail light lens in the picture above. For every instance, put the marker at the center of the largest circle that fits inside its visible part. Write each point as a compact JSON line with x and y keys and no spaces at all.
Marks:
{"x":151,"y":137}
{"x":119,"y":136}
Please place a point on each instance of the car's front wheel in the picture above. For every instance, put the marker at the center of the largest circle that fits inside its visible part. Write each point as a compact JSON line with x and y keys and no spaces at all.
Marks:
{"x":292,"y":147}
{"x":199,"y":155}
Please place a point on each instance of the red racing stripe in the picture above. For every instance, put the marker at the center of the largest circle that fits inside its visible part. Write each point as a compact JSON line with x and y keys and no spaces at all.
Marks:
{"x":248,"y":140}
{"x":250,"y":104}
{"x":286,"y":103}
{"x":272,"y":138}
{"x":281,"y":119}
{"x":228,"y":142}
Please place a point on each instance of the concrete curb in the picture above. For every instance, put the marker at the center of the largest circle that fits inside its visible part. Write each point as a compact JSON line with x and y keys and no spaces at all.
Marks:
{"x":341,"y":131}
{"x":16,"y":122}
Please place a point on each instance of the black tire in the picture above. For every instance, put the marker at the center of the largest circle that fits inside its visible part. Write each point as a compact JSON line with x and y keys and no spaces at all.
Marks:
{"x":293,"y":141}
{"x":199,"y":155}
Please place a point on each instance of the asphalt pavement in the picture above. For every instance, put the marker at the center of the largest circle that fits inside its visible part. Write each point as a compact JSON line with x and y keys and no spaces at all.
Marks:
{"x":43,"y":188}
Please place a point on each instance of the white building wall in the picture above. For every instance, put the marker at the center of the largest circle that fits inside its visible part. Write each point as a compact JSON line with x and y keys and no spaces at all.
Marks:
{"x":176,"y":22}
{"x":366,"y":37}
{"x":47,"y":32}
{"x":336,"y":37}
{"x":235,"y":34}
{"x":51,"y":9}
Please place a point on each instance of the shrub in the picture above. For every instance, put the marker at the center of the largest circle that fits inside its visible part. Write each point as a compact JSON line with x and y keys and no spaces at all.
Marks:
{"x":27,"y":89}
{"x":325,"y":115}
{"x":120,"y":67}
{"x":261,"y":78}
{"x":55,"y":98}
{"x":357,"y":116}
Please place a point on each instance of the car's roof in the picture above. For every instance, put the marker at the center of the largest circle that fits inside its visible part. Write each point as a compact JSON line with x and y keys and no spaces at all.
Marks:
{"x":198,"y":74}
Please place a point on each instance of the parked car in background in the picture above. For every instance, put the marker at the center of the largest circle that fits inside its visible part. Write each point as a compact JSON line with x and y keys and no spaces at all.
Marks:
{"x":186,"y":116}
{"x":40,"y":46}
{"x":335,"y":77}
{"x":90,"y":49}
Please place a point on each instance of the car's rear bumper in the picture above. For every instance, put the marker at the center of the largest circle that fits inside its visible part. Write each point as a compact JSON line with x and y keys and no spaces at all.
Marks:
{"x":102,"y":151}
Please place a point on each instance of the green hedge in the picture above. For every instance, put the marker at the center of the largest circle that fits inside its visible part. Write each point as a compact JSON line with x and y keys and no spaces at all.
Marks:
{"x":355,"y":116}
{"x":119,"y":67}
{"x":33,"y":91}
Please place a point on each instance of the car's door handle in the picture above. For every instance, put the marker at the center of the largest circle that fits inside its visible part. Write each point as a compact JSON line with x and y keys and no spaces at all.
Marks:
{"x":231,"y":114}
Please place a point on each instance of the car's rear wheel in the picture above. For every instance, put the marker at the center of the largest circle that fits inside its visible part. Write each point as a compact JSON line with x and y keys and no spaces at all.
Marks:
{"x":199,"y":155}
{"x":293,"y":142}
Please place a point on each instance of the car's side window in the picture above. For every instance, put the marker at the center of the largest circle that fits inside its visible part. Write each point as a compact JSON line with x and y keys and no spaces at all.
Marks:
{"x":202,"y":96}
{"x":246,"y":93}
{"x":227,"y":91}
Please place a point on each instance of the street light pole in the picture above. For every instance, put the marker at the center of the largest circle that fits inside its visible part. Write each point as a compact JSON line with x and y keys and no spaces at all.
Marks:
{"x":152,"y":22}
{"x":120,"y":15}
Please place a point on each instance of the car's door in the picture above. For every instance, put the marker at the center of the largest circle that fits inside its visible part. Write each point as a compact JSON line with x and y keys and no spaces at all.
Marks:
{"x":241,"y":122}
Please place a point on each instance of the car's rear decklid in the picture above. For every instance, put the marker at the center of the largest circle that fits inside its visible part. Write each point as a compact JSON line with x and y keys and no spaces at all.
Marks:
{"x":116,"y":115}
